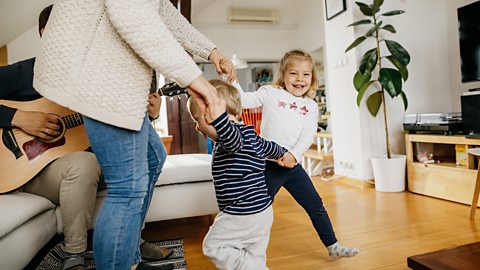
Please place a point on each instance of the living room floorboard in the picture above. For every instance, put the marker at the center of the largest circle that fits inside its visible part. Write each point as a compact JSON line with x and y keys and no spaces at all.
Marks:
{"x":386,"y":227}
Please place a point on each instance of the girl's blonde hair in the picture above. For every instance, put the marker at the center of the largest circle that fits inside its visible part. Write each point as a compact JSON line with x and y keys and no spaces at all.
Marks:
{"x":287,"y":59}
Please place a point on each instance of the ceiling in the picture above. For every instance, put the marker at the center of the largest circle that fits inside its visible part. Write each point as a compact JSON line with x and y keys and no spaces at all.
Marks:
{"x":18,"y":16}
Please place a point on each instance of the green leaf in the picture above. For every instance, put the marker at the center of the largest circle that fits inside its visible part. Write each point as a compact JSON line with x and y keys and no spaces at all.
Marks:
{"x":359,"y":79}
{"x":360,"y":22}
{"x":398,"y":51}
{"x":374,"y":102}
{"x":393,"y":13}
{"x":390,"y":28}
{"x":401,"y":68}
{"x":377,"y":4}
{"x":362,"y":91}
{"x":405,"y":100}
{"x":365,"y":9}
{"x":391,"y":80}
{"x":356,"y":43}
{"x":369,"y":61}
{"x":373,"y":29}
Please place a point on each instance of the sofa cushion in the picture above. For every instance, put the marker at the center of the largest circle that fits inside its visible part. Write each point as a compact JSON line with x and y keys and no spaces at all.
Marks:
{"x":186,"y":168}
{"x":18,"y":208}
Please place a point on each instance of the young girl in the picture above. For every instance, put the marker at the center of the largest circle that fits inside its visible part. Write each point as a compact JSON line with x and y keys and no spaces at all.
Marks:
{"x":289,"y":118}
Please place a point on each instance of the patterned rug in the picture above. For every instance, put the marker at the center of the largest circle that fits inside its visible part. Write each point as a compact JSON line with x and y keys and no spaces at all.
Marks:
{"x":54,"y":259}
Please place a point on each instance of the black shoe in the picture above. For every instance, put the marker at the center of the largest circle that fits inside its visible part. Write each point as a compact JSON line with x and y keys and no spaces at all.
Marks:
{"x":151,"y":252}
{"x":74,"y":261}
{"x":144,"y":266}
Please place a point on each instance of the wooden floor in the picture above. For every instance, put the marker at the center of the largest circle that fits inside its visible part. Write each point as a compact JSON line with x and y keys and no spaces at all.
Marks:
{"x":386,"y":227}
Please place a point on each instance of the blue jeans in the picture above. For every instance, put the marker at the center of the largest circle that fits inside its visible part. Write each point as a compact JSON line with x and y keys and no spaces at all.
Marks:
{"x":297,"y":182}
{"x":131,"y":162}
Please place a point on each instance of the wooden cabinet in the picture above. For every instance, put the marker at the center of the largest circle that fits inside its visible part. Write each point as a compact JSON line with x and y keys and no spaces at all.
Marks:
{"x":452,"y":176}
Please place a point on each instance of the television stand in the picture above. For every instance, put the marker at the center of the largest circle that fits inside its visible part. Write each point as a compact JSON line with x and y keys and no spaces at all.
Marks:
{"x":473,"y":136}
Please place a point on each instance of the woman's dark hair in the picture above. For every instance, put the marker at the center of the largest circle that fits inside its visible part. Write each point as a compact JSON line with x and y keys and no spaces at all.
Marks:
{"x":43,"y":18}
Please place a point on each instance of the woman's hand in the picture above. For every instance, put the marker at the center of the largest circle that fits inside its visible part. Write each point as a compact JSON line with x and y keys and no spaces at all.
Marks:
{"x":223,"y":65}
{"x":202,"y":90}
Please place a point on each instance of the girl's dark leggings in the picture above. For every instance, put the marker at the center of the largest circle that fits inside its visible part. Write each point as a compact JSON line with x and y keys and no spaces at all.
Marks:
{"x":300,"y":186}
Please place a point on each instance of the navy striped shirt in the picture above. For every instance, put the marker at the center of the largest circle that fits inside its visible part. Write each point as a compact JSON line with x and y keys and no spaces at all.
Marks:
{"x":238,"y":167}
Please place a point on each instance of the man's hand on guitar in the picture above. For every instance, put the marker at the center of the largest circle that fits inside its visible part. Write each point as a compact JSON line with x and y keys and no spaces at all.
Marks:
{"x":39,"y":124}
{"x":154,"y":103}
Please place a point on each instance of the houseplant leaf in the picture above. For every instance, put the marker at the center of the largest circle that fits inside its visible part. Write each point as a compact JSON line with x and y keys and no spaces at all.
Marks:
{"x":362,"y":91}
{"x":401,"y":68}
{"x":373,"y":29}
{"x":369,"y":61}
{"x":393,"y":13}
{"x":374,"y":102}
{"x":360,"y":22}
{"x":405,"y":100}
{"x":360,"y":79}
{"x":392,"y":81}
{"x":365,"y":9}
{"x":389,"y":28}
{"x":398,"y":51}
{"x":377,"y":3}
{"x":355,"y":43}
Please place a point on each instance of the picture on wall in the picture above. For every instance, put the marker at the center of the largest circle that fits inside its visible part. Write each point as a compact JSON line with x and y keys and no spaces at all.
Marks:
{"x":333,"y":8}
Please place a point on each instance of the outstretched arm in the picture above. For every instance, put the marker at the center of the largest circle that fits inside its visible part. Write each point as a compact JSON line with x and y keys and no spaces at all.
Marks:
{"x":272,"y":150}
{"x":227,"y":133}
{"x":251,"y":99}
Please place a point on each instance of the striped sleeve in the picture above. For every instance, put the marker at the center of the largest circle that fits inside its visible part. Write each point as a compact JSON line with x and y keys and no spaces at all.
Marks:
{"x":272,"y":149}
{"x":227,"y":134}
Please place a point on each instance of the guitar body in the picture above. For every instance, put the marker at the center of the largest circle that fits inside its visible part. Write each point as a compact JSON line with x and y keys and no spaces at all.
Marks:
{"x":30,"y":156}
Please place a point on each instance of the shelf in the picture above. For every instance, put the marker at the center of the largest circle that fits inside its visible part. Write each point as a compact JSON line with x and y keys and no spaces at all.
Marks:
{"x":445,"y":165}
{"x":444,"y":180}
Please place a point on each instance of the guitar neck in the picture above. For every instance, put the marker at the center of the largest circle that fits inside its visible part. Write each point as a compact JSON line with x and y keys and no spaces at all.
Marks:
{"x":72,"y":120}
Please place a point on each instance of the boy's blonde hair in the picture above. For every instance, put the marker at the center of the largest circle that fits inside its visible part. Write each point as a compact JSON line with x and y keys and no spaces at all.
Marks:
{"x":287,"y":59}
{"x":230,"y":95}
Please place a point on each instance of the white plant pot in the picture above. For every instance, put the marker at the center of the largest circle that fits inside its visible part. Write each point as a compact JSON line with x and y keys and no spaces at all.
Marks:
{"x":389,"y":174}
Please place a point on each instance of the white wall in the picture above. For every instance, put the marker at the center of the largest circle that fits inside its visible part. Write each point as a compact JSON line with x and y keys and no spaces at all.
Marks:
{"x":428,"y":31}
{"x":25,"y":46}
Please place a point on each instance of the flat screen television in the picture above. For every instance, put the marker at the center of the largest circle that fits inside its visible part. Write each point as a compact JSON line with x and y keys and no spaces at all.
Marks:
{"x":469,"y":35}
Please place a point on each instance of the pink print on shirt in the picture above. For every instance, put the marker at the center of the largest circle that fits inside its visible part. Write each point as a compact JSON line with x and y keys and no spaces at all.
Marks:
{"x":293,"y":106}
{"x":282,"y":104}
{"x":304,"y":110}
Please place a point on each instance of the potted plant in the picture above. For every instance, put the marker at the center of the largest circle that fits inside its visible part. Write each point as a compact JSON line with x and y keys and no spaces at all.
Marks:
{"x":373,"y":72}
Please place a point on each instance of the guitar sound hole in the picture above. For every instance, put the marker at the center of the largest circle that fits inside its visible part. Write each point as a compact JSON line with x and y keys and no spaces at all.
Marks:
{"x":62,"y":131}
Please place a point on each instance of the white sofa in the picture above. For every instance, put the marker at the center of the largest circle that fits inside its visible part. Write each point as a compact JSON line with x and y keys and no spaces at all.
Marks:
{"x":28,"y":221}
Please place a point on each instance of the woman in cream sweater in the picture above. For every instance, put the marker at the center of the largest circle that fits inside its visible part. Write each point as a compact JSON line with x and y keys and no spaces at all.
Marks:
{"x":97,"y":58}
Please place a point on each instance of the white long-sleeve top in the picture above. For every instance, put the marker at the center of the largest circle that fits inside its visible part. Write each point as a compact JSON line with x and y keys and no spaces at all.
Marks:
{"x":290,"y":121}
{"x":97,"y":56}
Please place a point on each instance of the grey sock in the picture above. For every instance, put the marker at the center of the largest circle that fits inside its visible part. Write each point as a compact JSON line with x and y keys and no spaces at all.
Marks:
{"x":337,"y":251}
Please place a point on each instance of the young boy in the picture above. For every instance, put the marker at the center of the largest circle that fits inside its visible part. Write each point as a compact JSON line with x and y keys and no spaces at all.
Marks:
{"x":239,"y":235}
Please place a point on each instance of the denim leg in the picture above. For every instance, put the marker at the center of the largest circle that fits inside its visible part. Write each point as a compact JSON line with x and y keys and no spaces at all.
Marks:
{"x":122,"y":155}
{"x":297,"y":182}
{"x":157,"y":155}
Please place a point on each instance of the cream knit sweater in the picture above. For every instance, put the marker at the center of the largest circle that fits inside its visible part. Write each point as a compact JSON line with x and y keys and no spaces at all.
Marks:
{"x":97,"y":56}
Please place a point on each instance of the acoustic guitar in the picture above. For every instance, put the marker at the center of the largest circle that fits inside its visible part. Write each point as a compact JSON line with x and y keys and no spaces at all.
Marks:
{"x":23,"y":156}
